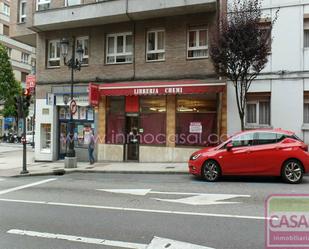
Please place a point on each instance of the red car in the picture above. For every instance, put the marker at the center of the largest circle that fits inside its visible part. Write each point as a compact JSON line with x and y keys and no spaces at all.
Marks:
{"x":272,"y":152}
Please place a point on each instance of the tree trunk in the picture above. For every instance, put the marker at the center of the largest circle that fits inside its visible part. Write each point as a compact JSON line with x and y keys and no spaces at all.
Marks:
{"x":242,"y":121}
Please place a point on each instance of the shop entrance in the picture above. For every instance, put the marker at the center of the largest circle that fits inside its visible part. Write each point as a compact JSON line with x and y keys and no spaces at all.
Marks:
{"x":132,"y":137}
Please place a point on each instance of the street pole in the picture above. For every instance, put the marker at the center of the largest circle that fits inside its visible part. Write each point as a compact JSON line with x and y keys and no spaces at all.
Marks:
{"x":71,"y":152}
{"x":33,"y":119}
{"x":24,"y":171}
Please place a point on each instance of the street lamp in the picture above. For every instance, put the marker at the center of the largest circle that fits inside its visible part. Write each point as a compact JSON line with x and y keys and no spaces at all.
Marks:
{"x":74,"y":64}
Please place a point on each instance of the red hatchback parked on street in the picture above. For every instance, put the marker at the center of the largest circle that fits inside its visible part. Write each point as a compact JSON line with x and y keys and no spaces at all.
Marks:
{"x":254,"y":153}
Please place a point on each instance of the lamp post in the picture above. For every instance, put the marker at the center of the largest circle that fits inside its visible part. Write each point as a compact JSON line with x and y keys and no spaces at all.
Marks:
{"x":74,"y":64}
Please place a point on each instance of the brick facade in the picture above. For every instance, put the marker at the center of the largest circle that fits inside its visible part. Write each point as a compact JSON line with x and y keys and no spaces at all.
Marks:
{"x":176,"y":64}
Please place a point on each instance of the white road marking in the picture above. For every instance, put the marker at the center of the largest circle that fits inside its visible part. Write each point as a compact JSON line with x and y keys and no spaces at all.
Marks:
{"x":194,"y":199}
{"x":127,"y":191}
{"x":1,"y":179}
{"x":117,"y":244}
{"x":201,"y":200}
{"x":2,"y":192}
{"x":162,"y":243}
{"x":137,"y":209}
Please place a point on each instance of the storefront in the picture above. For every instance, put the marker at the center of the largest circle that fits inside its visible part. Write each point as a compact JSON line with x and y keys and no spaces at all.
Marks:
{"x":157,"y":121}
{"x":83,"y":122}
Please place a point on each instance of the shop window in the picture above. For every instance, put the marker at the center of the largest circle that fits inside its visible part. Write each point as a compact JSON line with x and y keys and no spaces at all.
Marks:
{"x":115,"y":120}
{"x":153,"y":120}
{"x":197,"y":42}
{"x":45,"y":137}
{"x":53,"y":54}
{"x":257,"y":110}
{"x":155,"y":45}
{"x":196,"y":120}
{"x":119,"y":48}
{"x":84,"y":43}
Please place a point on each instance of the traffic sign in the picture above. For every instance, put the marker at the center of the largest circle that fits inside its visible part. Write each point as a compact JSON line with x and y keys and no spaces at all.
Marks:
{"x":73,"y":107}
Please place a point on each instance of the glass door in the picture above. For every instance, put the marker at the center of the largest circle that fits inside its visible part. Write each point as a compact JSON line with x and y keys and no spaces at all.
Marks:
{"x":63,"y":145}
{"x":132,"y":138}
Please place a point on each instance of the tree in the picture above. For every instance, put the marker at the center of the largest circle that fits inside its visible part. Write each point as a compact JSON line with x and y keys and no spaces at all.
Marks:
{"x":9,"y":87}
{"x":240,"y":47}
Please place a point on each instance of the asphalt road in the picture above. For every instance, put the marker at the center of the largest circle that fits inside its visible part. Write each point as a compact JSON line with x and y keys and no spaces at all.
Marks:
{"x":49,"y":212}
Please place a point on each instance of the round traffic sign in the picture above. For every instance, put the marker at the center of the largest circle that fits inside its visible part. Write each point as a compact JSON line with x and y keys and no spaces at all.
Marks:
{"x":73,"y":107}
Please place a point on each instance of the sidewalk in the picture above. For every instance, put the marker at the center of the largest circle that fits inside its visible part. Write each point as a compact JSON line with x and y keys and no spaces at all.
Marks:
{"x":54,"y":168}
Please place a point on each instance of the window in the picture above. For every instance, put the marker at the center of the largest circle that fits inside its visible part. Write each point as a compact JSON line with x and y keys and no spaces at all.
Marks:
{"x":115,"y":120}
{"x":196,"y":119}
{"x":6,"y":30}
{"x":306,"y":38}
{"x":153,"y":120}
{"x":257,"y":110}
{"x":43,"y":4}
{"x":22,"y":11}
{"x":265,"y":31}
{"x":155,"y":45}
{"x":119,"y":48}
{"x":197,"y":43}
{"x":84,"y":43}
{"x":267,"y":138}
{"x":72,"y":2}
{"x":46,"y":137}
{"x":9,"y":51}
{"x":243,"y":140}
{"x":6,"y":9}
{"x":53,"y":54}
{"x":306,"y":33}
{"x":25,"y":58}
{"x":306,"y":108}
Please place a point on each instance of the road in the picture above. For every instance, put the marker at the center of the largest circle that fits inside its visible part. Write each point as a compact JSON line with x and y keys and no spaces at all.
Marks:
{"x":134,"y":208}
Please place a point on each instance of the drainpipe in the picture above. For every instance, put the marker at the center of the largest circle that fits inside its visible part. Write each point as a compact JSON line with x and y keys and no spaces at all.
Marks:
{"x":134,"y":29}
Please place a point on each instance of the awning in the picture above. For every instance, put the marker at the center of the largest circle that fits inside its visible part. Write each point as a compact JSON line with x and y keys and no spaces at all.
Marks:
{"x":138,"y":88}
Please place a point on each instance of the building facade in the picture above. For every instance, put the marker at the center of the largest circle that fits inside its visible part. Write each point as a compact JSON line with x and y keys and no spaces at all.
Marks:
{"x":279,"y":97}
{"x":158,"y":98}
{"x":22,"y":57}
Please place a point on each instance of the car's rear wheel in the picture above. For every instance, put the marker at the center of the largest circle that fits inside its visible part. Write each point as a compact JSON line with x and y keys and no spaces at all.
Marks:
{"x":211,"y":171}
{"x":292,"y":171}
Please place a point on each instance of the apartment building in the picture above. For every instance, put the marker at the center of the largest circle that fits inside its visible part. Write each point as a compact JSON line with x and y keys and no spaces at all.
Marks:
{"x":22,"y":57}
{"x":279,"y":98}
{"x":147,"y":86}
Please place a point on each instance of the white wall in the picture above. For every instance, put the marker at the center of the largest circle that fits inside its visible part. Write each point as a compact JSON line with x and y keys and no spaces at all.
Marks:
{"x":287,"y":105}
{"x":41,"y":118}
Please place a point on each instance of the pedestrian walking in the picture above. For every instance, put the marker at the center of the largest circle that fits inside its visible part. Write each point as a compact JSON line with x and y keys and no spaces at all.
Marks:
{"x":91,"y":146}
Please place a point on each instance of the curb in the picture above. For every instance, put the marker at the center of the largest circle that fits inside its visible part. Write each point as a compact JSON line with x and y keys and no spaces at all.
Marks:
{"x":63,"y":172}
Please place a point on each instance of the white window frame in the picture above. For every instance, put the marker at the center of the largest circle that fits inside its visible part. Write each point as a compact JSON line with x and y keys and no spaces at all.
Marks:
{"x":257,"y":124}
{"x":9,"y":52}
{"x":42,"y":2}
{"x":83,"y":38}
{"x":25,"y":57}
{"x":6,"y":9}
{"x":22,"y":17}
{"x":55,"y":58}
{"x":198,"y":47}
{"x":115,"y":54}
{"x":156,"y":50}
{"x":66,"y":3}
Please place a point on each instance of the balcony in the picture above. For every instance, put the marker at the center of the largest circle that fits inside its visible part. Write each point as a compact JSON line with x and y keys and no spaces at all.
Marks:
{"x":11,"y":42}
{"x":114,"y":11}
{"x":21,"y":65}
